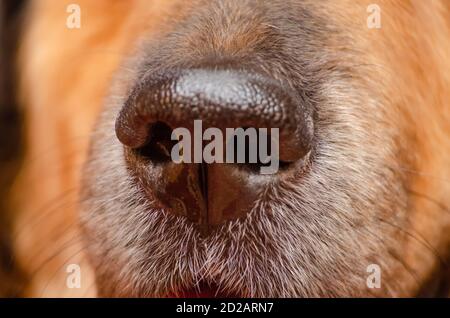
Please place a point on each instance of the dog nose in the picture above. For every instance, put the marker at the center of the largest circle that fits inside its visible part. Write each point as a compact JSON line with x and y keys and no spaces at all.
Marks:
{"x":209,"y":193}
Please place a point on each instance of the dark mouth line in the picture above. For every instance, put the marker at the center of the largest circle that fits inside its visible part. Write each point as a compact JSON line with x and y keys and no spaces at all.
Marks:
{"x":204,"y":290}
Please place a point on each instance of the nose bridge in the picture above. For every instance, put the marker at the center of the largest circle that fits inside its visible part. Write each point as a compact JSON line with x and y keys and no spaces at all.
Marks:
{"x":234,"y":99}
{"x":228,"y":28}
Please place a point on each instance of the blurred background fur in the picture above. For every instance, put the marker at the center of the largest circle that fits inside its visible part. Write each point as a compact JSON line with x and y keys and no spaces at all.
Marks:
{"x":10,"y":140}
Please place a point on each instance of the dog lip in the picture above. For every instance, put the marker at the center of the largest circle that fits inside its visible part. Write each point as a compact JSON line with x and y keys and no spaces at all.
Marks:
{"x":203,"y":289}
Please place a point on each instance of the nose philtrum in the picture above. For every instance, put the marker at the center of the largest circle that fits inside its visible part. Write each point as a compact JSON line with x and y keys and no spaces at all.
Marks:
{"x":208,"y":194}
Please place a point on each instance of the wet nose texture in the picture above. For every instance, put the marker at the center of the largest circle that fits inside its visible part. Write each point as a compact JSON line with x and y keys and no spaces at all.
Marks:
{"x":207,"y":194}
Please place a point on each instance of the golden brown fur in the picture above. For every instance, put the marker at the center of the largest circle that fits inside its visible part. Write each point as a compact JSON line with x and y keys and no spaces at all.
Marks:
{"x":66,"y":74}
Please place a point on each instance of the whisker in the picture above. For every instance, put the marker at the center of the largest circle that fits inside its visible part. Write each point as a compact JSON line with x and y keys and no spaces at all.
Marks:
{"x":55,"y":239}
{"x":405,"y":266}
{"x":61,"y":267}
{"x":50,"y":207}
{"x":430,"y":199}
{"x":419,"y":238}
{"x":419,"y":173}
{"x":74,"y":240}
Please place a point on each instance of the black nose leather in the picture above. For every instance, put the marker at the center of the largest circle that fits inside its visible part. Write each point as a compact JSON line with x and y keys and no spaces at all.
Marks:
{"x":208,"y":194}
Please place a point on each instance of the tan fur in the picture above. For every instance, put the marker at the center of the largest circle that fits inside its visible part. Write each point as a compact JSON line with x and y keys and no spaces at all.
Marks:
{"x":66,"y":74}
{"x":59,"y":120}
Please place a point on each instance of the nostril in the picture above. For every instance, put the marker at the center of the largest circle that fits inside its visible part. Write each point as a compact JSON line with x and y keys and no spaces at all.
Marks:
{"x":159,"y":144}
{"x":251,"y":159}
{"x":158,"y":148}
